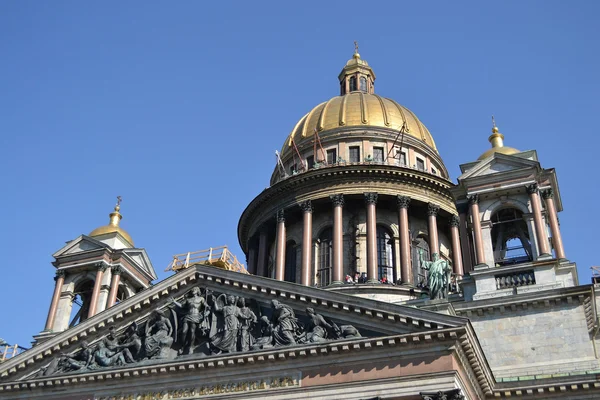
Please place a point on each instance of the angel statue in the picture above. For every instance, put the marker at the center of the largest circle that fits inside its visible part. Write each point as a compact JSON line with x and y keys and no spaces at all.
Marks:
{"x":158,"y":335}
{"x":438,"y":276}
{"x":192,"y":309}
{"x":226,"y":337}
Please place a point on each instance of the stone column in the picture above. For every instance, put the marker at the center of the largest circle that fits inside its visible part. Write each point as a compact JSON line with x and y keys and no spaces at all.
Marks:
{"x":405,"y":269}
{"x":434,"y":244}
{"x":280,"y":247}
{"x":114,"y":286}
{"x":307,"y":209}
{"x":96,"y":293}
{"x":59,"y":279}
{"x":261,"y":263}
{"x":338,"y":238}
{"x":251,"y":260}
{"x":465,"y":240}
{"x":456,"y":252}
{"x":548,"y":196}
{"x":477,"y":236}
{"x":372,"y":275}
{"x":536,"y":208}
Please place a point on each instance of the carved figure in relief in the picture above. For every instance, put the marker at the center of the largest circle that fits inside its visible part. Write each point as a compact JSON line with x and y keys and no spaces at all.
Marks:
{"x":131,"y":343}
{"x":80,"y":360}
{"x":158,"y":335}
{"x":226,"y":338}
{"x":317,"y":327}
{"x":248,"y":319}
{"x":108,"y":358}
{"x":265,"y":340}
{"x":345,"y":331}
{"x":438,"y":275}
{"x":285,"y":324}
{"x":193,"y":318}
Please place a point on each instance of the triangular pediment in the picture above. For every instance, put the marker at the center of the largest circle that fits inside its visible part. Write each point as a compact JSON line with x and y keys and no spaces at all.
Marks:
{"x":80,"y":244}
{"x":154,"y":326}
{"x":141,"y":259}
{"x":499,"y":164}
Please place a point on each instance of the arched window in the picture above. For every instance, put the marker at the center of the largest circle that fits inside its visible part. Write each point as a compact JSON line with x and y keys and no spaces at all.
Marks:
{"x":325,"y":243}
{"x":82,"y":298}
{"x":363,"y":83}
{"x":352,"y":83}
{"x":290,"y":261}
{"x":420,"y":243}
{"x":510,"y":237}
{"x":385,"y":254}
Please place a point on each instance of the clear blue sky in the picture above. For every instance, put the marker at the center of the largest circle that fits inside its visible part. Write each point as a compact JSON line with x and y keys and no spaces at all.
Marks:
{"x":179,"y":106}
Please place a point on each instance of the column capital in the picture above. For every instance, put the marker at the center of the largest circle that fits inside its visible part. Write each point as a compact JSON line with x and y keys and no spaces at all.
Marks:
{"x":432,"y":209}
{"x":306,"y":206}
{"x":370,"y":197}
{"x":533,"y":188}
{"x":101,"y":266}
{"x":403,"y":201}
{"x":61,"y":273}
{"x":116,"y":270}
{"x":453,"y":394}
{"x":473,"y":198}
{"x":455,"y":221}
{"x":548,"y":193}
{"x":337,"y":199}
{"x":280,"y":216}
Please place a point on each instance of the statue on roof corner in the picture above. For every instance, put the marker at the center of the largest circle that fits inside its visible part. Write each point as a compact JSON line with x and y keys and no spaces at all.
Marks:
{"x":438,"y":276}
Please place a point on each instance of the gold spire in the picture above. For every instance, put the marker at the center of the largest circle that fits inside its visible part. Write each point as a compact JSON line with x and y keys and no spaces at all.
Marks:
{"x":495,"y":128}
{"x":113,"y":225}
{"x":356,"y":55}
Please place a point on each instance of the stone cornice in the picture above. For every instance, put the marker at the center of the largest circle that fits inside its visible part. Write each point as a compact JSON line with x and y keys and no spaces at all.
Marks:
{"x":348,"y":179}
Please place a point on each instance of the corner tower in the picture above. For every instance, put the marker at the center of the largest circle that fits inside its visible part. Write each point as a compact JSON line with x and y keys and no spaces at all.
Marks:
{"x":360,"y":190}
{"x":94,"y":272}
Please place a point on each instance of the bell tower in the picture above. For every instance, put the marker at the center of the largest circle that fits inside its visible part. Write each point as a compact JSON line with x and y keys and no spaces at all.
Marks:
{"x":356,"y":75}
{"x":93,"y":273}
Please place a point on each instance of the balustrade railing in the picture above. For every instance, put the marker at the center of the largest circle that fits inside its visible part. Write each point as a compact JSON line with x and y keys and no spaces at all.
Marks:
{"x":516,"y":279}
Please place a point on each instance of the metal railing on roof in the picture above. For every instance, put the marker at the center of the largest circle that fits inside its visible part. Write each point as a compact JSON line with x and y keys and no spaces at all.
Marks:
{"x":216,"y":256}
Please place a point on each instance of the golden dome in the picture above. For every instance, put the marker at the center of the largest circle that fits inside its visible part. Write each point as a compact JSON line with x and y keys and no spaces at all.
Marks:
{"x":358,"y":109}
{"x":113,"y":225}
{"x":497,"y":141}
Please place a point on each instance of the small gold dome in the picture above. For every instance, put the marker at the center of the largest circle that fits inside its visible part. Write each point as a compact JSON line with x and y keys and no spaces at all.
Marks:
{"x":357,"y":109}
{"x":113,"y":226}
{"x":497,"y":141}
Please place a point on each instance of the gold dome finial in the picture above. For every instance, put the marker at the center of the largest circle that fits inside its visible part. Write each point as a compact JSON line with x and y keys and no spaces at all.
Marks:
{"x":116,"y":216}
{"x":494,"y":127}
{"x":113,"y":225}
{"x":356,"y":55}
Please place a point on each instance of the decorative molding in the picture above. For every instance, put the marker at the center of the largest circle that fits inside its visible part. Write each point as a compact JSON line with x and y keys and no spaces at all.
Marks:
{"x":453,"y":394}
{"x":337,"y":199}
{"x":117,"y":270}
{"x":432,"y":209}
{"x":533,"y":188}
{"x":403,"y":201}
{"x":370,"y":197}
{"x":306,"y":206}
{"x":61,"y":273}
{"x":455,"y":221}
{"x":473,"y":198}
{"x":548,"y":193}
{"x":280,"y":216}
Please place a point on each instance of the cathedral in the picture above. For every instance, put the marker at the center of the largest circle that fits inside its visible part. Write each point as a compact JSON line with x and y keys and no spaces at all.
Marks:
{"x":369,"y":275}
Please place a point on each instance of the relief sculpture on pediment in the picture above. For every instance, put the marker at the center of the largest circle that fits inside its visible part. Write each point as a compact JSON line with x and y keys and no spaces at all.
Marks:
{"x":201,"y":324}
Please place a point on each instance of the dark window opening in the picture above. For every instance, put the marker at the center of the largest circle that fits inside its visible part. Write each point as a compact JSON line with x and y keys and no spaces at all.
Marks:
{"x":294,"y":169}
{"x":291,"y":255}
{"x":310,"y":162}
{"x":82,"y":301}
{"x":363,"y":84}
{"x":325,"y":257}
{"x":420,"y":164}
{"x":331,"y":156}
{"x":378,"y":154}
{"x":510,"y":237}
{"x":352,"y":83}
{"x":401,"y":158}
{"x":420,"y":243}
{"x":354,"y":153}
{"x":385,"y":255}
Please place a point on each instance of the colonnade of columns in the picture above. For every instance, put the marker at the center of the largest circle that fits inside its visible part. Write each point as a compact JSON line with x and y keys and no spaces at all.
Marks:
{"x":258,"y":265}
{"x":543,"y":246}
{"x":94,"y":299}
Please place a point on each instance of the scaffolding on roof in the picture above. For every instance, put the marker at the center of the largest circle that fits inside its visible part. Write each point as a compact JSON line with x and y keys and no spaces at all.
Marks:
{"x":219,"y":257}
{"x":9,"y":350}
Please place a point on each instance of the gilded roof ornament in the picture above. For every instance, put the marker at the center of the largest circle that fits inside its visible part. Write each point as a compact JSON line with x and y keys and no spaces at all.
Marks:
{"x":113,"y":225}
{"x":356,"y":55}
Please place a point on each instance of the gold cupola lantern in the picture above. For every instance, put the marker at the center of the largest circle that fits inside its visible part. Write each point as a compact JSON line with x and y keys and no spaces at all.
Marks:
{"x":357,"y":75}
{"x":496,"y":139}
{"x":113,"y":225}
